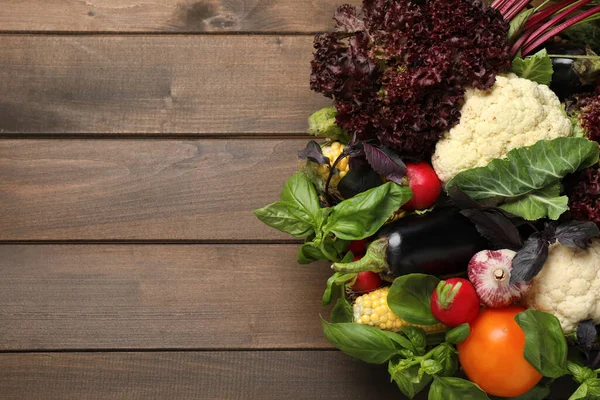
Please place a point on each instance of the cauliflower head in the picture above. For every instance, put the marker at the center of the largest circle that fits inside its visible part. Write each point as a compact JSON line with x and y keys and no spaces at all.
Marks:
{"x":514,"y":113}
{"x":568,"y":285}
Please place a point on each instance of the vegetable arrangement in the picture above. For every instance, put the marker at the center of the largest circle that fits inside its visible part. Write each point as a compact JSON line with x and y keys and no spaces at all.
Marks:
{"x":454,"y":188}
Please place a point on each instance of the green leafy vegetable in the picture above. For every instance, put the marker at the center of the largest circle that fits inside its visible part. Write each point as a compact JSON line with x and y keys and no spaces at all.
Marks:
{"x":449,"y":388}
{"x":545,"y":344}
{"x":328,"y":230}
{"x":517,"y":24}
{"x":322,"y":123}
{"x":417,"y":337}
{"x":362,"y":215}
{"x":589,"y":390}
{"x":337,"y":281}
{"x":539,"y":204}
{"x":537,"y":67}
{"x":342,"y":311}
{"x":410,"y":297}
{"x":364,"y":342}
{"x":532,"y":171}
{"x":409,"y":382}
{"x":458,"y":334}
{"x":445,"y":354}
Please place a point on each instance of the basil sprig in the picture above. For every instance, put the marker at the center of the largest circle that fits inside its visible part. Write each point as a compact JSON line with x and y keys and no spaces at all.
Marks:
{"x":327,"y":230}
{"x":412,"y":363}
{"x":547,"y":351}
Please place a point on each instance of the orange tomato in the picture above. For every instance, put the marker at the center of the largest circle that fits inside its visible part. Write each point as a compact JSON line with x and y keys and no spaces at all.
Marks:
{"x":492,"y":356}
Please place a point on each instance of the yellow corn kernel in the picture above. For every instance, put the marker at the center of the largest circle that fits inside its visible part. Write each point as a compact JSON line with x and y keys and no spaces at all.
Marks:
{"x":372,"y":309}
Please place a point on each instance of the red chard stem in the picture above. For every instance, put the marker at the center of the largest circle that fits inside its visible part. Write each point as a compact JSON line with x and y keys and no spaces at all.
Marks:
{"x":546,"y":12}
{"x":515,"y":47}
{"x":532,"y":44}
{"x":504,"y":8}
{"x":549,"y":24}
{"x":516,"y":9}
{"x":498,"y":3}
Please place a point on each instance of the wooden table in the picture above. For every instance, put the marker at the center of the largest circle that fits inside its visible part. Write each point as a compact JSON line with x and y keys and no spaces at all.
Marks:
{"x":136,"y":138}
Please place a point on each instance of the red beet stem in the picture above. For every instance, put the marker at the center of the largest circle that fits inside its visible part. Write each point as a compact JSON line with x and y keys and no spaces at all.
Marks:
{"x":507,"y":6}
{"x":516,"y":9}
{"x":549,"y":24}
{"x":532,"y":45}
{"x":546,"y":12}
{"x":517,"y":45}
{"x":498,"y":3}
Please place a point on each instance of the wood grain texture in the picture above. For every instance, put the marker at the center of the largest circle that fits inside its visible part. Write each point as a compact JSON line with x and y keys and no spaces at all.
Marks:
{"x":156,"y":84}
{"x":159,"y":297}
{"x":300,"y":16}
{"x":203,"y":190}
{"x":192,"y":375}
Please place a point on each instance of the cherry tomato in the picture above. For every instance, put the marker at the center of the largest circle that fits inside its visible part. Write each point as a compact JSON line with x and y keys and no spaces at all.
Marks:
{"x":358,"y":247}
{"x":424,"y":183}
{"x":492,"y":356}
{"x":367,"y":282}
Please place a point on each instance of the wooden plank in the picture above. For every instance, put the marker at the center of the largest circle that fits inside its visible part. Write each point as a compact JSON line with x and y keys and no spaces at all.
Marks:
{"x":153,"y":296}
{"x":168,"y":15}
{"x":156,"y":84}
{"x":201,"y":190}
{"x":192,"y":375}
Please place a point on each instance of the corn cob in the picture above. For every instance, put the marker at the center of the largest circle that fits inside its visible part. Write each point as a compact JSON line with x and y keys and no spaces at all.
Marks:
{"x":333,"y":151}
{"x":372,"y":309}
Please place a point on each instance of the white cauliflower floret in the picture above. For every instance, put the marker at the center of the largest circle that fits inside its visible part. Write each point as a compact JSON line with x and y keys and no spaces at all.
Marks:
{"x":515,"y":112}
{"x":568,"y":285}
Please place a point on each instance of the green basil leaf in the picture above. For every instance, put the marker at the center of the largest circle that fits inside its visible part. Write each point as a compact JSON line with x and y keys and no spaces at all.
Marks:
{"x":342,"y":311}
{"x":417,"y":337}
{"x":401,"y":341}
{"x":445,"y":354}
{"x":517,"y":24}
{"x":536,"y":393}
{"x":364,"y":342}
{"x":431,"y":367}
{"x":410,"y":298}
{"x":408,"y":381}
{"x":526,"y":170}
{"x":539,"y":204}
{"x":280,"y":216}
{"x":301,"y":194}
{"x":589,"y":390}
{"x":362,"y":215}
{"x":537,"y":67}
{"x":335,"y":281}
{"x":458,"y":334}
{"x":449,"y":388}
{"x":545,"y":344}
{"x":580,"y":393}
{"x":308,"y":253}
{"x":581,"y":373}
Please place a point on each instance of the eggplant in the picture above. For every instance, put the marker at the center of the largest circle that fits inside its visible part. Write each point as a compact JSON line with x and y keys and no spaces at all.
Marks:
{"x":440,"y":242}
{"x":566,"y":81}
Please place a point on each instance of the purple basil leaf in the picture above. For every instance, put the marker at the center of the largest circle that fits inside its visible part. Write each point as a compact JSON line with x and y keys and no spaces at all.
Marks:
{"x":529,"y":260}
{"x":313,"y":153}
{"x":385,"y":163}
{"x":577,"y":233}
{"x":462,"y":200}
{"x":586,"y":334}
{"x":496,"y":228}
{"x":347,"y":21}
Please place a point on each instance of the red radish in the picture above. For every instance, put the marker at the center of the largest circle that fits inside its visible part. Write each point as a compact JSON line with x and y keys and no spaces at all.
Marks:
{"x":367,"y":282}
{"x":454,"y":302}
{"x":424,"y":183}
{"x":489,"y":271}
{"x":358,"y":247}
